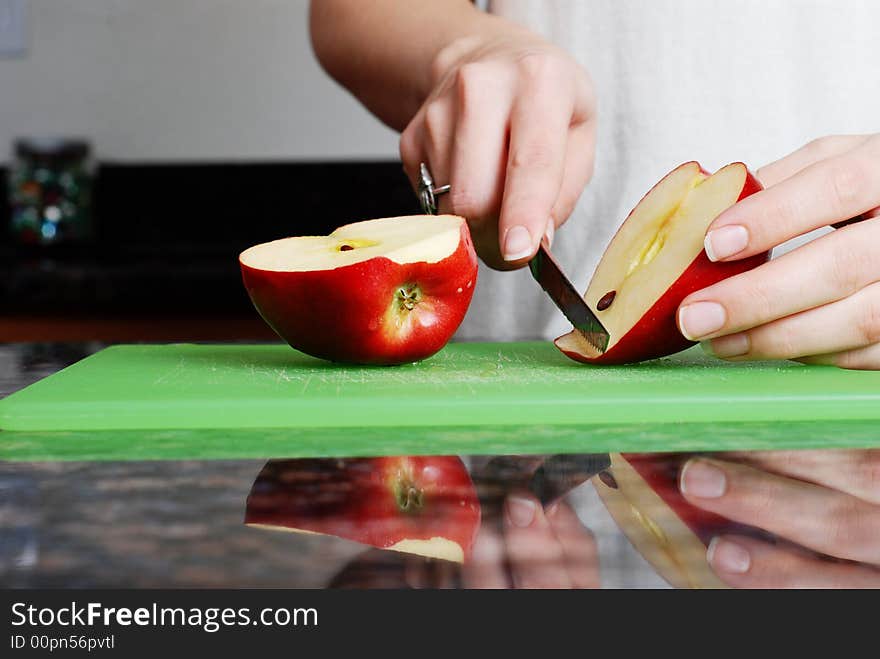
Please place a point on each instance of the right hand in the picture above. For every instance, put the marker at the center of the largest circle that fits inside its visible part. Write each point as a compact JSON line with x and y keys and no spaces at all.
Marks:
{"x":511,"y":126}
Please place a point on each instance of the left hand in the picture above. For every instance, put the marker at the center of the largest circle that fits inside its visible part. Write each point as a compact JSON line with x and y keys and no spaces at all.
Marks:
{"x":820,"y":303}
{"x":826,"y":504}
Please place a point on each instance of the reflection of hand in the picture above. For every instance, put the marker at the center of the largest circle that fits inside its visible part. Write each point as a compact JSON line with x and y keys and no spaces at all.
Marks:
{"x":827,"y":502}
{"x":510,"y":125}
{"x":819,"y":303}
{"x":534,"y":549}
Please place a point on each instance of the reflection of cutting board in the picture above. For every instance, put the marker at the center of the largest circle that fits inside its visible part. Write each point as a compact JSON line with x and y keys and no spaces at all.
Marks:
{"x":504,"y":395}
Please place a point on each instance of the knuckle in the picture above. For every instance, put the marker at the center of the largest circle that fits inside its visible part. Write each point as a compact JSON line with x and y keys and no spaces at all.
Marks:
{"x":757,"y":299}
{"x":435,"y":121}
{"x":469,"y":80}
{"x":869,"y":322}
{"x":820,"y":147}
{"x":408,"y":148}
{"x":849,"y":529}
{"x":846,"y":181}
{"x":538,"y":64}
{"x":464,"y":202}
{"x":846,"y":273}
{"x":847,"y":360}
{"x":868,"y":475}
{"x":783,"y":345}
{"x":534,"y":155}
{"x":782,"y":218}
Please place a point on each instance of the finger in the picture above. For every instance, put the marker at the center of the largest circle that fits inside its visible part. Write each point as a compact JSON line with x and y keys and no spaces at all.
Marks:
{"x":851,"y":323}
{"x":748,"y":563}
{"x":856,"y":472}
{"x":824,"y":270}
{"x":411,"y":150}
{"x":479,"y":157}
{"x":487,"y":567}
{"x":438,"y":133}
{"x":578,"y":546}
{"x":821,"y":519}
{"x":812,"y":152}
{"x":535,"y":556}
{"x":479,"y":151}
{"x":539,"y":126}
{"x":579,"y":162}
{"x":861,"y":359}
{"x":825,"y":192}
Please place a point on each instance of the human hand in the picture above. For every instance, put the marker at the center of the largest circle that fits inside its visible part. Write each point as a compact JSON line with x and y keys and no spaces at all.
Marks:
{"x":535,"y":548}
{"x":826,"y":504}
{"x":820,"y":303}
{"x":510,"y":125}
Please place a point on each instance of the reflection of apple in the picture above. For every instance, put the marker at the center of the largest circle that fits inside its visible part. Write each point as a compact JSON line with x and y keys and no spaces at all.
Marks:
{"x":385,"y":291}
{"x":418,"y":505}
{"x":641,"y":492}
{"x":655,"y":260}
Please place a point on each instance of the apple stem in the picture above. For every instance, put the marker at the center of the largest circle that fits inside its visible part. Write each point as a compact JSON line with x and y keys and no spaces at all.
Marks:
{"x":408,"y":296}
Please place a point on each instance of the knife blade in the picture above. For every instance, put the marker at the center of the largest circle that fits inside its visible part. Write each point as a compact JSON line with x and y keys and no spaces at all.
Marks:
{"x":560,"y":474}
{"x":549,"y":275}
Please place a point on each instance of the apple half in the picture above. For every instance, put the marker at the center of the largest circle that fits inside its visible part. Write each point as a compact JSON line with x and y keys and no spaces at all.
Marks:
{"x":386,"y":291}
{"x":641,"y":492}
{"x":655,"y":260}
{"x":418,"y":505}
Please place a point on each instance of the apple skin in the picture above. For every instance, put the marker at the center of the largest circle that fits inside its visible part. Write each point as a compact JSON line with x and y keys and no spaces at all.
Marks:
{"x":661,"y":472}
{"x":422,"y":505}
{"x":657,"y":334}
{"x":349,"y":320}
{"x":643,"y":497}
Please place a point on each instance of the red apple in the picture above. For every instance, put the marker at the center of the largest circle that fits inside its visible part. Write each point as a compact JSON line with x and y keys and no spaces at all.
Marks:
{"x":385,"y":291}
{"x":641,"y":492}
{"x":655,"y":260}
{"x":418,"y":505}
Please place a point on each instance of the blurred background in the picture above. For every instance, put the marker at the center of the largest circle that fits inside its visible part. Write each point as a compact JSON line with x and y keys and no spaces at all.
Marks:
{"x":143,"y":145}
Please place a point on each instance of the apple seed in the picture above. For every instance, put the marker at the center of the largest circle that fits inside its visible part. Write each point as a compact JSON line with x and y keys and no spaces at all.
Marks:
{"x":606,"y":300}
{"x":608,"y":479}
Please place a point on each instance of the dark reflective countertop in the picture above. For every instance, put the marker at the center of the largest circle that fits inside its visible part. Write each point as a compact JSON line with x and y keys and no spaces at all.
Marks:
{"x":808,"y":518}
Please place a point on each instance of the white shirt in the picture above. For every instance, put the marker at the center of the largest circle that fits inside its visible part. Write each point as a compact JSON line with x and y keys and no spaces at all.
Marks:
{"x":677,"y":80}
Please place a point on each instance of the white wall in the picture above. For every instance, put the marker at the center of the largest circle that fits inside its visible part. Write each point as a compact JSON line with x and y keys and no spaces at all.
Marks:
{"x":182,"y":80}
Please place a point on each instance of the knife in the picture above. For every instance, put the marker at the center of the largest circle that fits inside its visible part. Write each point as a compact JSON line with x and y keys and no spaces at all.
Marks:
{"x":544,"y":269}
{"x":548,"y":478}
{"x":547,"y":272}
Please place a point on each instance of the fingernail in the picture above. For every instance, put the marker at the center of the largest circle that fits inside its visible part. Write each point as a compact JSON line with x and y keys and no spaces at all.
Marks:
{"x":520,"y":511}
{"x":700,"y":478}
{"x":726,"y":556}
{"x":701,"y":319}
{"x":517,"y":243}
{"x":732,"y":345}
{"x":549,"y":234}
{"x":726,"y":241}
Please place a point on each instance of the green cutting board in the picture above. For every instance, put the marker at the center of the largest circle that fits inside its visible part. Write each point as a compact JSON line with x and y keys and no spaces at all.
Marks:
{"x":190,"y":401}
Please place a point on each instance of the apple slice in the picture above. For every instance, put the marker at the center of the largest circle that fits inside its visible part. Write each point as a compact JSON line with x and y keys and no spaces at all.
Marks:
{"x":418,"y":505}
{"x":384,"y":291}
{"x":641,"y":492}
{"x":655,"y":260}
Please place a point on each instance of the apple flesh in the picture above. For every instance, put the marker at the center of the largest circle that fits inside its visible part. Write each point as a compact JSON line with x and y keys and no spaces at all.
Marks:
{"x":386,"y":291}
{"x":418,"y":505}
{"x":641,"y":493}
{"x":655,"y":260}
